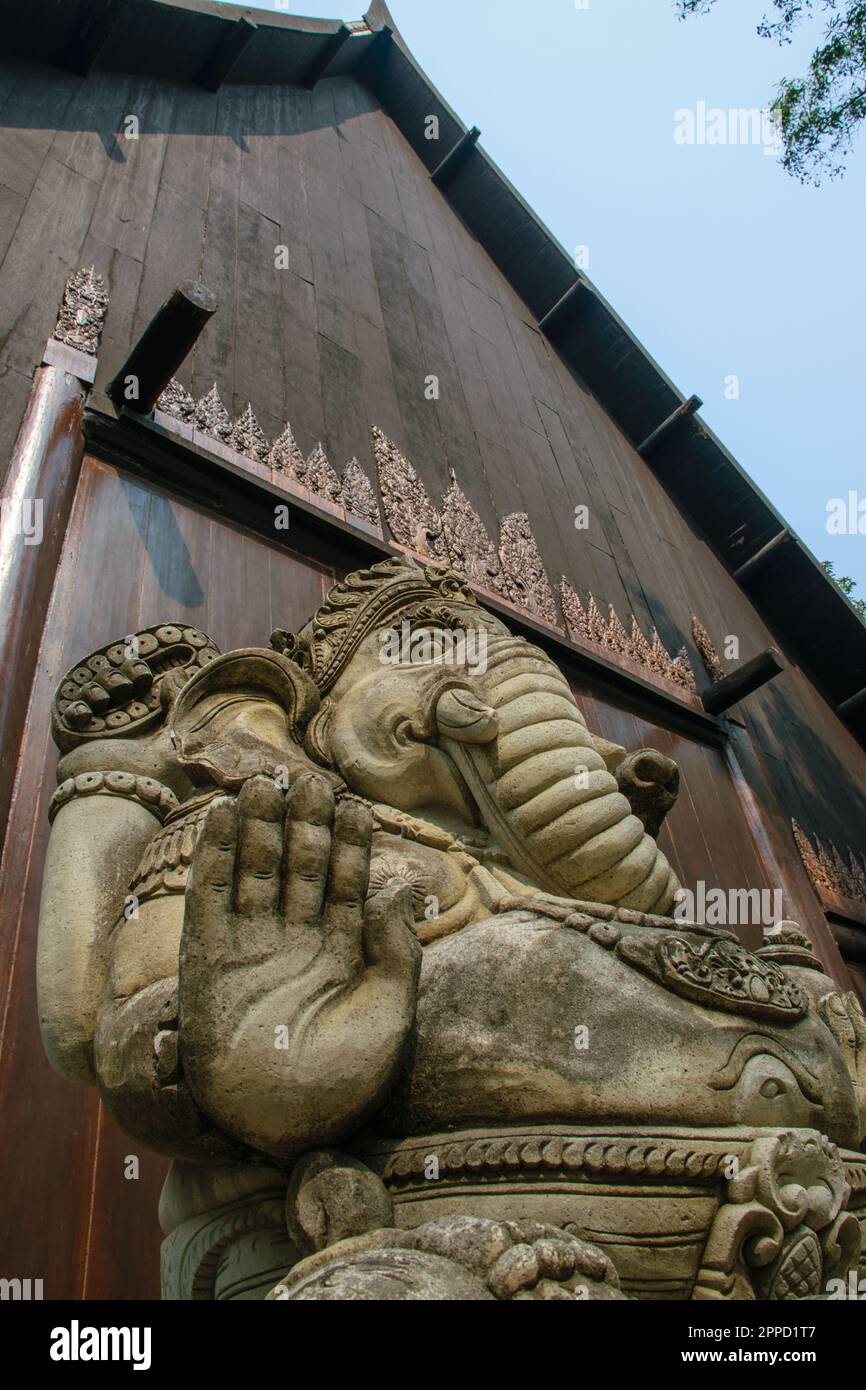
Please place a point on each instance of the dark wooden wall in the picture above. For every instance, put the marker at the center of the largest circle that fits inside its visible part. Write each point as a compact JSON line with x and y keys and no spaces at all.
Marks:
{"x":385,"y":286}
{"x":132,"y":558}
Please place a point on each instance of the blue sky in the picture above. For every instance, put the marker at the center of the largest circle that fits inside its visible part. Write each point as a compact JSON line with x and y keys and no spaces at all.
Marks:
{"x":718,"y":261}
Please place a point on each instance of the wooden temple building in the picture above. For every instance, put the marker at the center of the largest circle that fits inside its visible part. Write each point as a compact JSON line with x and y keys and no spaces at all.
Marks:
{"x":334,"y":304}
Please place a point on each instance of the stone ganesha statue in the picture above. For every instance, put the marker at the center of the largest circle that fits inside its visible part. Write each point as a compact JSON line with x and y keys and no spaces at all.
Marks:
{"x":378,"y":950}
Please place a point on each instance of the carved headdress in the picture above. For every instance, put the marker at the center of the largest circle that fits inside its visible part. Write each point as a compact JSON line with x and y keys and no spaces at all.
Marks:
{"x":365,"y":602}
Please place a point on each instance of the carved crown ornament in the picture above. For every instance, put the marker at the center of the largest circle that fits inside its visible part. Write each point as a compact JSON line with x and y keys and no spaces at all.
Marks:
{"x":81,"y":317}
{"x":828,"y":871}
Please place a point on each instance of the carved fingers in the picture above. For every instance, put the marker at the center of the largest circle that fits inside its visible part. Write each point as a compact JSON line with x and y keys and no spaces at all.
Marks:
{"x":109,"y":690}
{"x":297,"y":993}
{"x":289,"y":874}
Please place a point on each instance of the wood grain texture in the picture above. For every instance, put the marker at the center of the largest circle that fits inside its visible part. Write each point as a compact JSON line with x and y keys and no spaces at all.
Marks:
{"x":132,"y":557}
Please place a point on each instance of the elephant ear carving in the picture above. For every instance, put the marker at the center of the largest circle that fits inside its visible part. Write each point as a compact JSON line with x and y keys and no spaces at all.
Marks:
{"x":242,"y":715}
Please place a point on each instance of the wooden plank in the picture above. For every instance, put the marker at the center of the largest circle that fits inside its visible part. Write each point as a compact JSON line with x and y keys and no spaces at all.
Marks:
{"x":257,"y":346}
{"x":49,"y":235}
{"x":213,"y":358}
{"x":12,"y":206}
{"x":33,"y":111}
{"x":174,"y":252}
{"x":92,"y":132}
{"x":129,"y":183}
{"x":186,"y":168}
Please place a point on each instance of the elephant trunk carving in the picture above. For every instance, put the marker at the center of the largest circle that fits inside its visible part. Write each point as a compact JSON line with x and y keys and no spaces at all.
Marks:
{"x":544,"y":790}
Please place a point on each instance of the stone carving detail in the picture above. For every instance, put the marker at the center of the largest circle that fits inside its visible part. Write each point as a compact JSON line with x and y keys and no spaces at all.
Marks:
{"x":177,"y":402}
{"x":457,"y":1257}
{"x":286,"y":457}
{"x":519,"y":1156}
{"x":783,"y":1230}
{"x":411,"y":516}
{"x":585,"y":622}
{"x":211,"y":416}
{"x":727,"y":975}
{"x":247,"y":437}
{"x":315,"y":474}
{"x":470,"y":549}
{"x":284,"y":1008}
{"x":146,"y":790}
{"x":118,"y":689}
{"x":709,"y":655}
{"x":359,"y":497}
{"x":457,"y":535}
{"x":320,"y":477}
{"x":525,"y":576}
{"x":82,"y":313}
{"x":827,"y":869}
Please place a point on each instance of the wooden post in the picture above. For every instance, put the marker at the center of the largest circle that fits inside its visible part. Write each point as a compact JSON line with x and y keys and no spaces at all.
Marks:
{"x":88,"y":42}
{"x":161,"y":348}
{"x":34,"y":513}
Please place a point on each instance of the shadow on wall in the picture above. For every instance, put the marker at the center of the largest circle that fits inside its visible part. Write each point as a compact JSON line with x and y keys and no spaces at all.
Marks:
{"x":165,"y":547}
{"x":103,"y":105}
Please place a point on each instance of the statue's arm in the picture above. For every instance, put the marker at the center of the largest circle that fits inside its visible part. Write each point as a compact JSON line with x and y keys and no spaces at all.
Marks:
{"x":97,"y":838}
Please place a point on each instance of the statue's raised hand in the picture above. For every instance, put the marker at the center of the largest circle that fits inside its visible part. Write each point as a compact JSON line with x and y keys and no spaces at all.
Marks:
{"x":296,"y":993}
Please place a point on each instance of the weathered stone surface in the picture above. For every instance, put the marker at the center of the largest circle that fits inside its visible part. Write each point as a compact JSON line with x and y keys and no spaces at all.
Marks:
{"x":322,"y":904}
{"x":456,"y":1257}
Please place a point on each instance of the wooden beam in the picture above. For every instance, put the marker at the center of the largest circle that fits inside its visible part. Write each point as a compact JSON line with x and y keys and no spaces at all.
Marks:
{"x":674,"y":420}
{"x":218,"y":68}
{"x":563,"y":306}
{"x":370,"y":63}
{"x":723,"y":694}
{"x":84,"y":48}
{"x":757,"y":561}
{"x":456,"y":157}
{"x":324,"y":58}
{"x":852,"y":703}
{"x":851,"y":942}
{"x":161,"y":348}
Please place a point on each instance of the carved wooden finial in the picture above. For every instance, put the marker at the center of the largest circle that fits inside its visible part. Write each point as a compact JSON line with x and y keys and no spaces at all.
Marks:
{"x":321,"y":479}
{"x":524,"y":570}
{"x":211,"y":416}
{"x":707,"y":650}
{"x":81,"y":317}
{"x":177,"y":402}
{"x":359,"y":496}
{"x":411,"y":516}
{"x":286,"y":457}
{"x":248,"y":438}
{"x":470,"y":549}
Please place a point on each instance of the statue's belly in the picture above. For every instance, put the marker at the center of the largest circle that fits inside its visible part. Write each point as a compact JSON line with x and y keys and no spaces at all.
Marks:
{"x":518,"y":1019}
